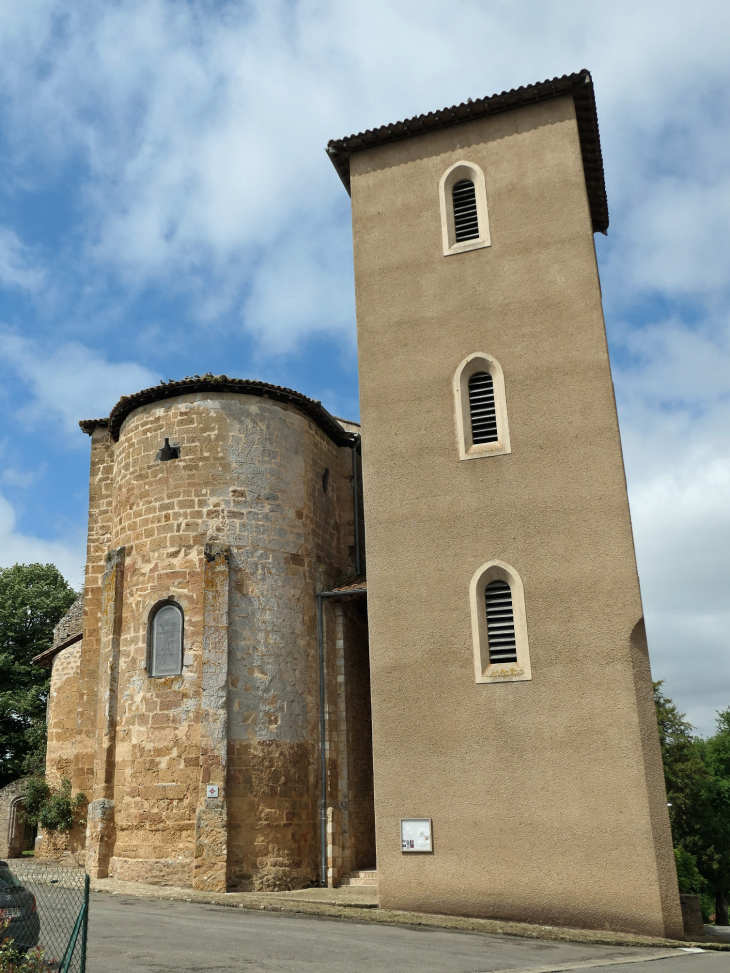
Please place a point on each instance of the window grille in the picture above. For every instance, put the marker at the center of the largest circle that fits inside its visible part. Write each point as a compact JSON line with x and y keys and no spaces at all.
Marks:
{"x":466,"y":221}
{"x":500,"y":623}
{"x":166,"y":641}
{"x":482,"y":409}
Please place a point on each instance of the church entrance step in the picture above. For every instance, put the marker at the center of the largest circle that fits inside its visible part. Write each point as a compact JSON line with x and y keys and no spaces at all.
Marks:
{"x":365,"y":877}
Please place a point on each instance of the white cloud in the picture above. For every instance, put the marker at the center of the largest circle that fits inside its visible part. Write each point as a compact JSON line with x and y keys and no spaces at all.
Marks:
{"x":17,"y":269}
{"x":201,"y":128}
{"x":72,"y":382}
{"x":15,"y":547}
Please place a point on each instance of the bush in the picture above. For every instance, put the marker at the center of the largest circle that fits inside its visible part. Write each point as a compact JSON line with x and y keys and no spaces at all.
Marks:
{"x":12,"y":960}
{"x":688,"y":876}
{"x":53,"y":809}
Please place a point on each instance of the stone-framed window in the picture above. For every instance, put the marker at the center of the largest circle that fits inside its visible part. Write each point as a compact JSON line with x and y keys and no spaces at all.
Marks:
{"x":481,"y":407}
{"x":464,"y":215}
{"x":165,"y":633}
{"x":499,"y":624}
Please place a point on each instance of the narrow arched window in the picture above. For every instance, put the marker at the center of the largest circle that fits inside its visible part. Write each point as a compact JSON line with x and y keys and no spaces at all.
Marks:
{"x":166,"y":640}
{"x":482,"y":409}
{"x":466,"y":218}
{"x":463,"y":203}
{"x":500,"y":622}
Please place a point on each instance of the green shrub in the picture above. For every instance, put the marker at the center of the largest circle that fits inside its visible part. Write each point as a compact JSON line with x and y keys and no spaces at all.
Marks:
{"x":53,"y":809}
{"x":12,"y":960}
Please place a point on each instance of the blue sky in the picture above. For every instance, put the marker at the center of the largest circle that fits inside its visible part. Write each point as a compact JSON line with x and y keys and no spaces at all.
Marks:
{"x":166,"y":208}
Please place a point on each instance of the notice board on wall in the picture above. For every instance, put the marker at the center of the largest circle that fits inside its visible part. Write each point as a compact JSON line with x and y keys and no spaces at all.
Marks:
{"x":416,"y":834}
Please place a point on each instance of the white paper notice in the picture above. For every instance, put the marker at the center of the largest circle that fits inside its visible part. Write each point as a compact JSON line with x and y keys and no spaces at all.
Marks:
{"x":415,"y":834}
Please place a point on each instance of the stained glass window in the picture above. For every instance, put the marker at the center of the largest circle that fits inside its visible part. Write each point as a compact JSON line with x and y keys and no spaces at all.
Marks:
{"x":166,"y":641}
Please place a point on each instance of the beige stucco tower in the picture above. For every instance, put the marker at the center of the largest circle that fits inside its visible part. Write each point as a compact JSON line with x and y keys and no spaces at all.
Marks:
{"x":538,"y":763}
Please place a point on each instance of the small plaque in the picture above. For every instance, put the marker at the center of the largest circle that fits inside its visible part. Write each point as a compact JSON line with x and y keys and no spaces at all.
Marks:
{"x":211,"y":790}
{"x":416,"y":835}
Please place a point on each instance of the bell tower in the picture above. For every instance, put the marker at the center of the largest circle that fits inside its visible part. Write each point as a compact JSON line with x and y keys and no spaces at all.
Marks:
{"x":512,"y":702}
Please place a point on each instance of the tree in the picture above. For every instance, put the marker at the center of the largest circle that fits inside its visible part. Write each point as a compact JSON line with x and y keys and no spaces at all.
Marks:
{"x":697,"y":775}
{"x":33,"y":598}
{"x":713,"y":825}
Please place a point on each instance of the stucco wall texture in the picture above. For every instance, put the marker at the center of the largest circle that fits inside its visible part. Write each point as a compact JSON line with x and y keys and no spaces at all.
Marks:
{"x":547,"y":796}
{"x":239,"y":531}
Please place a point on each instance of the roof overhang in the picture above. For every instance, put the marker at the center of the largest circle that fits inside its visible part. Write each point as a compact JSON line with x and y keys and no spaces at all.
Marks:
{"x":46,"y":658}
{"x":579,"y":85}
{"x":216,"y":384}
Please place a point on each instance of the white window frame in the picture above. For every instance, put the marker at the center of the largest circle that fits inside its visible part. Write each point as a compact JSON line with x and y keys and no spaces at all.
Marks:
{"x":463,"y":170}
{"x":480,"y":361}
{"x":484,"y":672}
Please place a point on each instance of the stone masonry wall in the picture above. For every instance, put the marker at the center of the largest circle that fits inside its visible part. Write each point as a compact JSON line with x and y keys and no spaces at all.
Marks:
{"x":249,"y":479}
{"x":98,"y":544}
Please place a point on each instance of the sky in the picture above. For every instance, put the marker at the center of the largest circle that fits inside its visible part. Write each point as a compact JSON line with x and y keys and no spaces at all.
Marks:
{"x":167,"y":209}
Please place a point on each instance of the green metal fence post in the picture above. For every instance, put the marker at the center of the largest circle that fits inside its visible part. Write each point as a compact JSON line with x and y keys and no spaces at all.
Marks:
{"x":85,"y":927}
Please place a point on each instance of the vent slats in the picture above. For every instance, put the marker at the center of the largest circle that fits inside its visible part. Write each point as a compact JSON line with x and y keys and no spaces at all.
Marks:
{"x":500,"y":623}
{"x":482,"y":409}
{"x":466,"y":220}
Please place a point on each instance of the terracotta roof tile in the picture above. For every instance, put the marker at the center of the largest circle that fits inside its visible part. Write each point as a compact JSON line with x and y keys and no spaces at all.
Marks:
{"x":579,"y":85}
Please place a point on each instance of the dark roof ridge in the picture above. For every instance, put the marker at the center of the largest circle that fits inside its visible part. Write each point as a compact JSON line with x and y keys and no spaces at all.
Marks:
{"x":579,"y":85}
{"x":220,"y":383}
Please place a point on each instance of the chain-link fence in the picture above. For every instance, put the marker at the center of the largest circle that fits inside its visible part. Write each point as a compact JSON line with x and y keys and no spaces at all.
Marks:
{"x":56,"y":918}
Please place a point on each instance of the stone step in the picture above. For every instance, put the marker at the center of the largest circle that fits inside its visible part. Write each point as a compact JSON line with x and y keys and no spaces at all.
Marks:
{"x":364,"y":877}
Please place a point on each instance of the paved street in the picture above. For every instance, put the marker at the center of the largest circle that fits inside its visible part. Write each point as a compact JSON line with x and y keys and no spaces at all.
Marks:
{"x":134,"y":935}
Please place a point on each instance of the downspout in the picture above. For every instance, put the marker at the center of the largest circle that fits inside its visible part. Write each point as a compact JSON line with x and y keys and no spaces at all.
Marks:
{"x":356,"y":504}
{"x":322,"y":756}
{"x":321,"y":595}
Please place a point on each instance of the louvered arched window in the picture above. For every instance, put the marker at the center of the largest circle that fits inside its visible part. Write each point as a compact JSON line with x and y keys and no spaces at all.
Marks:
{"x":481,"y":407}
{"x":165,"y":640}
{"x":499,"y":625}
{"x":500,"y":622}
{"x":464,"y":217}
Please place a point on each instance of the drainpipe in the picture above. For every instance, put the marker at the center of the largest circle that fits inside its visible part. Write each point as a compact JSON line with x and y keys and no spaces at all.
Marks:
{"x":321,"y":595}
{"x":322,"y":755}
{"x":356,"y":504}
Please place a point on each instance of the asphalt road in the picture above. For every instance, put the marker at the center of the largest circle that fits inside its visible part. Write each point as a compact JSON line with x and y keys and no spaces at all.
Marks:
{"x":135,"y":935}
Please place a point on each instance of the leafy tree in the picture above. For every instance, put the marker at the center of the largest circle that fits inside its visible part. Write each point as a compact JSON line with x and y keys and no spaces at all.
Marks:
{"x":712,"y":828}
{"x":33,"y":598}
{"x":697,"y":775}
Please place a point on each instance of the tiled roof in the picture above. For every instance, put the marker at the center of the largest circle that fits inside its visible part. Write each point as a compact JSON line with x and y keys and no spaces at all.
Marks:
{"x":358,"y":584}
{"x":579,"y":85}
{"x":221,"y":383}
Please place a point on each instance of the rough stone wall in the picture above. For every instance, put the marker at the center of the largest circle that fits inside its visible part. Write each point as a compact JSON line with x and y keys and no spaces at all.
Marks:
{"x":101,"y":516}
{"x":249,"y":480}
{"x":72,"y":622}
{"x":63,"y":700}
{"x":11,"y":828}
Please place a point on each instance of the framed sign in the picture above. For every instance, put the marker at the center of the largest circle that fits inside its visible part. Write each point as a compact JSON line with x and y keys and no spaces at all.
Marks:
{"x":416,"y":835}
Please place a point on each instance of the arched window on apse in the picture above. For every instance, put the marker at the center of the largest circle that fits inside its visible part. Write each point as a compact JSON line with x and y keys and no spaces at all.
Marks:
{"x":165,"y":642}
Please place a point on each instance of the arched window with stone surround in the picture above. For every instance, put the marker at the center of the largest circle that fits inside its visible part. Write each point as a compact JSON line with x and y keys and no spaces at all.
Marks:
{"x":499,"y":624}
{"x":165,"y":639}
{"x":464,"y":215}
{"x":481,"y":407}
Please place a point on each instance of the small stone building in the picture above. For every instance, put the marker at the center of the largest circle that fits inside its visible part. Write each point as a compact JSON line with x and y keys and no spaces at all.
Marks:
{"x":236,"y":717}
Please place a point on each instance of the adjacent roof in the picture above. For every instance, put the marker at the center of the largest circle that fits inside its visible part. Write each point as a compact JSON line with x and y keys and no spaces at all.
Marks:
{"x":357,"y":584}
{"x":579,"y":85}
{"x":221,"y":383}
{"x":47,"y":657}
